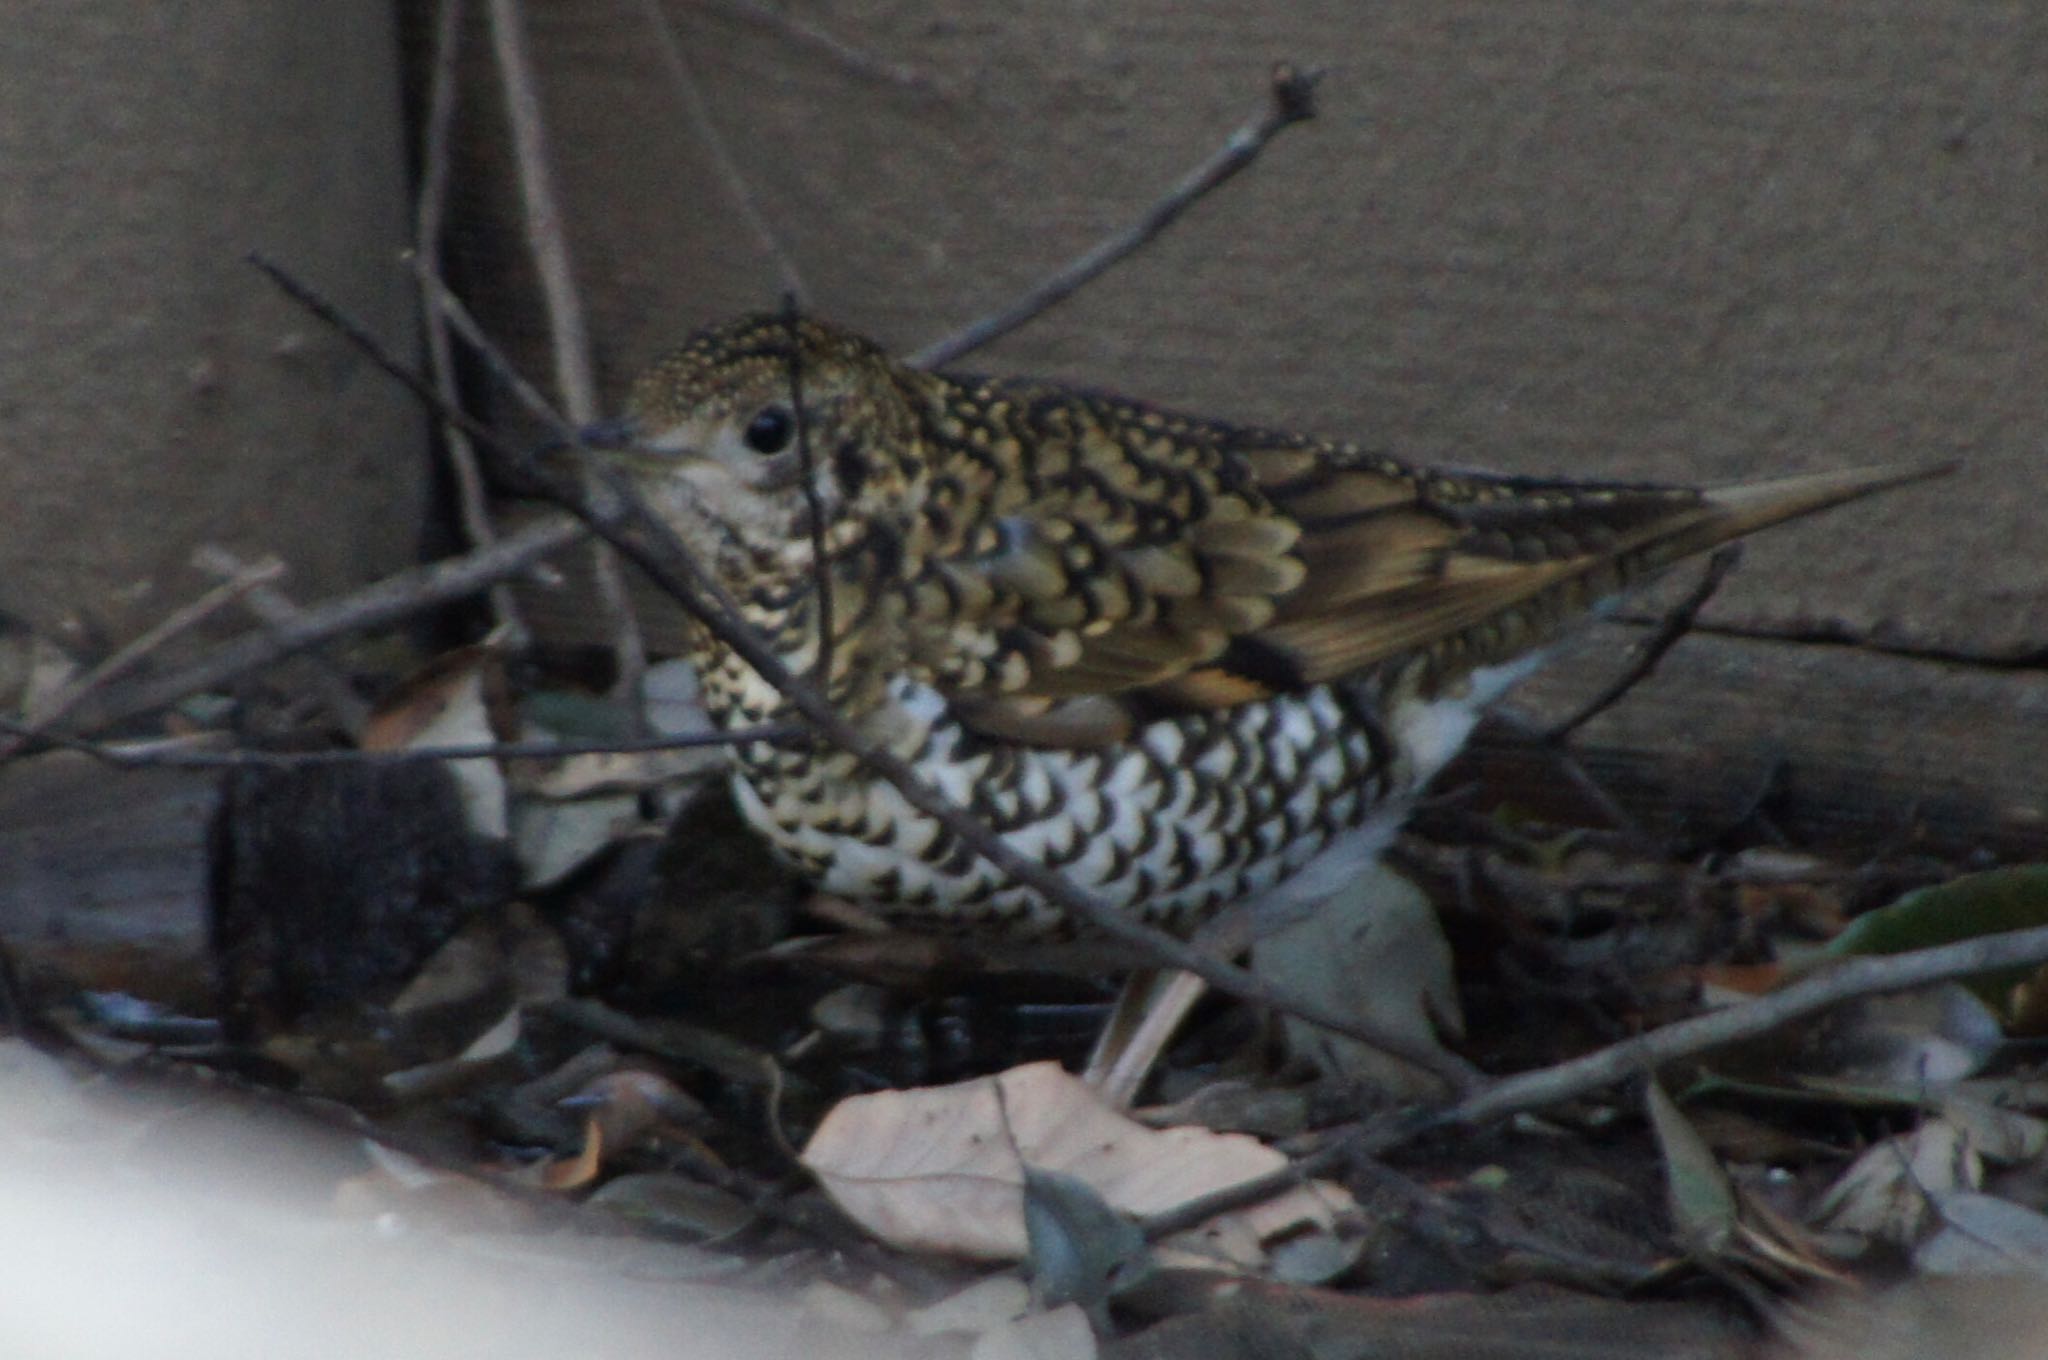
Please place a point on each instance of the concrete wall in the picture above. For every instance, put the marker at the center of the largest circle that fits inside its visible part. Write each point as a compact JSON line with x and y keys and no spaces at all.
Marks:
{"x":155,"y":392}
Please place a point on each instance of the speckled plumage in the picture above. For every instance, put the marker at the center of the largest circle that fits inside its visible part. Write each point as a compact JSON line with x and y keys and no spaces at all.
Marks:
{"x":1188,"y":663}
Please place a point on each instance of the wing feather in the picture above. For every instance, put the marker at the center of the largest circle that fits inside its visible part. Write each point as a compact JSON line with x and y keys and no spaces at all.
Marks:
{"x":1210,"y":566}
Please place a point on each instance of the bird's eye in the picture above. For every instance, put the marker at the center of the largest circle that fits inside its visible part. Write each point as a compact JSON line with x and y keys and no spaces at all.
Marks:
{"x":770,"y":429}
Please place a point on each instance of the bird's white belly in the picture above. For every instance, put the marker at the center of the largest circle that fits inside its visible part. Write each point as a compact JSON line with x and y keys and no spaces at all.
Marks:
{"x":1192,"y":814}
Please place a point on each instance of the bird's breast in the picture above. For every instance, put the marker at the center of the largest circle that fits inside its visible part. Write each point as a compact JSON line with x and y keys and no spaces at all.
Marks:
{"x":1190,"y":815}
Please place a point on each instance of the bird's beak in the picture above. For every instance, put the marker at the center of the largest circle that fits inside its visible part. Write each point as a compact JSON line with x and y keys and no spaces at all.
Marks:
{"x":619,"y":442}
{"x":606,"y":436}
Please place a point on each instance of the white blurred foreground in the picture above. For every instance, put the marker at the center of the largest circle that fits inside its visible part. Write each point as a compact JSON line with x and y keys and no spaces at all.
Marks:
{"x":137,"y":1228}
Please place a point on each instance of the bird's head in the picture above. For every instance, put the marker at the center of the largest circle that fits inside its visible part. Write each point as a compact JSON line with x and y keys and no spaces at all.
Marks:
{"x":718,"y":436}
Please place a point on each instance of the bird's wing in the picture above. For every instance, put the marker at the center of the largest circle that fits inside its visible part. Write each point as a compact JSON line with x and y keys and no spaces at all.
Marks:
{"x":1471,"y":570}
{"x":1159,"y":566}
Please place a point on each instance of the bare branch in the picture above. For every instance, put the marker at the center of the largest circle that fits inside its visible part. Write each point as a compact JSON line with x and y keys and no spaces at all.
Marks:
{"x":273,"y":608}
{"x":1632,"y":1057}
{"x":471,"y":505}
{"x":1846,"y":981}
{"x":1290,"y":100}
{"x":545,"y":240}
{"x":371,"y":347}
{"x":76,"y":694}
{"x":386,"y":602}
{"x":159,"y":756}
{"x":1675,"y":626}
{"x":464,"y":323}
{"x":548,"y":244}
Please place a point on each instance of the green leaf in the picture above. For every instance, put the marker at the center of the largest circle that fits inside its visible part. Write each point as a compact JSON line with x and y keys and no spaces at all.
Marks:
{"x":1989,"y":903}
{"x":1703,"y":1205}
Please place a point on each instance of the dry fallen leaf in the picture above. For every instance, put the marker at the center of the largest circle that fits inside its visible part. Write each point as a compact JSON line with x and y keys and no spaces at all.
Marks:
{"x":1983,"y":1235}
{"x":1884,"y":1195}
{"x":1379,"y":925}
{"x":939,"y":1169}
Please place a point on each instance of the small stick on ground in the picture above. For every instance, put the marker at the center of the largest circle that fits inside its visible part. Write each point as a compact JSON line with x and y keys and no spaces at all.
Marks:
{"x":1630,"y":1058}
{"x":1852,"y":978}
{"x":1290,"y":100}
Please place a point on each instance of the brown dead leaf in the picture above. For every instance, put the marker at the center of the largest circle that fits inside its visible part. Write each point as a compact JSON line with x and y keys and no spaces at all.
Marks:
{"x":451,"y":703}
{"x":573,"y":1173}
{"x":465,"y":687}
{"x":631,"y":1103}
{"x":939,"y":1169}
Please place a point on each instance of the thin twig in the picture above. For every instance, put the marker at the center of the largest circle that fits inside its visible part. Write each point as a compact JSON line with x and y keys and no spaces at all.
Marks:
{"x":546,"y":241}
{"x":807,"y":463}
{"x":852,"y":58}
{"x":1632,"y":1057}
{"x":274,"y":609}
{"x":604,"y":498}
{"x":1290,"y":100}
{"x":347,"y":327}
{"x":471,"y":504}
{"x":1675,"y":626}
{"x":568,"y":331}
{"x":1870,"y":976}
{"x":179,"y":621}
{"x":463,"y":322}
{"x":698,"y":111}
{"x":385,"y":602}
{"x":148,"y":757}
{"x":565,"y":435}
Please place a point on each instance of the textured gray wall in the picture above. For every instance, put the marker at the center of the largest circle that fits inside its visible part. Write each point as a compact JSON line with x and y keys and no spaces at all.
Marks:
{"x":155,"y":393}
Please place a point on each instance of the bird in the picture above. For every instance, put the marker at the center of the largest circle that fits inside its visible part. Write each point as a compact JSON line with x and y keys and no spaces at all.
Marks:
{"x":1190,"y":664}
